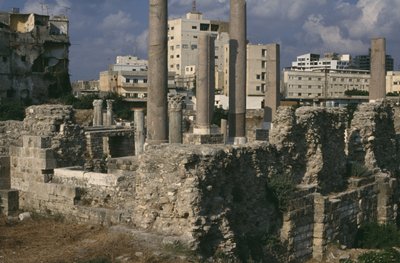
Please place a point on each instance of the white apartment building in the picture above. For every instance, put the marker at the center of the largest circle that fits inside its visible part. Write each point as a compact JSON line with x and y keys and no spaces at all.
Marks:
{"x":257,"y":77}
{"x":323,"y":83}
{"x":183,"y":44}
{"x":128,"y":77}
{"x":393,"y":81}
{"x":314,"y":61}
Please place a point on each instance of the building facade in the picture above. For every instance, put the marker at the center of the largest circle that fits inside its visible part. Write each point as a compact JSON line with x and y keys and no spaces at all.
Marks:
{"x":393,"y":81}
{"x":323,"y":83}
{"x":314,"y":61}
{"x":128,"y":78}
{"x":34,"y":51}
{"x":183,"y":36}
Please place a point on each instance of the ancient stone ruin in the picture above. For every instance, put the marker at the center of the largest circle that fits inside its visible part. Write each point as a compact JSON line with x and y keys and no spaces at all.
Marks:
{"x":211,"y":198}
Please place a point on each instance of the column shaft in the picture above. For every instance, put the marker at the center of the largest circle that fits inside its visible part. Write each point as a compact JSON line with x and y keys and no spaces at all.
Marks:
{"x":157,"y":105}
{"x":139,"y":130}
{"x":377,"y":88}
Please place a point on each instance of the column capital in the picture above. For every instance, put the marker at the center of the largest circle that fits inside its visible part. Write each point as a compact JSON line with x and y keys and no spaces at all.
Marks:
{"x":175,"y":102}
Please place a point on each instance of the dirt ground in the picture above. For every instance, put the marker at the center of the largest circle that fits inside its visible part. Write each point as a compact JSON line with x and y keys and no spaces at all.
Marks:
{"x":51,"y":240}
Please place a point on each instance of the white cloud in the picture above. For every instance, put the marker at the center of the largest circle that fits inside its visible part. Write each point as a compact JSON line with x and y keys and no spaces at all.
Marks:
{"x":118,"y":21}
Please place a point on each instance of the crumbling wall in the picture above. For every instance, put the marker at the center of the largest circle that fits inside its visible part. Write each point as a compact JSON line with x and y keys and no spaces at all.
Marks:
{"x":58,"y":123}
{"x":311,"y":141}
{"x":254,"y":120}
{"x":10,"y":134}
{"x":213,"y":198}
{"x":372,"y":138}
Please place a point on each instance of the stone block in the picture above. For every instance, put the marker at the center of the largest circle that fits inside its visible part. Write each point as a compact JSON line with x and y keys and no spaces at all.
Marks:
{"x":5,"y":172}
{"x":198,"y":139}
{"x":36,"y":142}
{"x":9,"y":201}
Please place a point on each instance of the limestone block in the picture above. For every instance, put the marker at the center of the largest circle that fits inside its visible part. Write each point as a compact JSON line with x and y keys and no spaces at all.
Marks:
{"x":36,"y":141}
{"x":9,"y":201}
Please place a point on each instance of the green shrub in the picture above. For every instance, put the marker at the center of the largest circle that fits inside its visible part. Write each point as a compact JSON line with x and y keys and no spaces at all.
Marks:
{"x":280,"y":191}
{"x":386,"y":256}
{"x":375,"y":236}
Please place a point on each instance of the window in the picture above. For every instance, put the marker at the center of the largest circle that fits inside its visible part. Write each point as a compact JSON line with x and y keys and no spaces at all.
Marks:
{"x":257,"y":88}
{"x":194,"y":27}
{"x":172,"y":37}
{"x":194,"y":36}
{"x":258,"y":76}
{"x":172,"y":56}
{"x":177,"y":56}
{"x":204,"y":27}
{"x":264,"y":52}
{"x":171,"y":47}
{"x":193,"y":46}
{"x":263,"y":87}
{"x":185,"y":46}
{"x":172,"y":28}
{"x":263,"y":64}
{"x":263,"y":76}
{"x":214,"y":27}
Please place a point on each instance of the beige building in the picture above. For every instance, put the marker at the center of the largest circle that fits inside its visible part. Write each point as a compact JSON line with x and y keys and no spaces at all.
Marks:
{"x":323,"y":83}
{"x":128,"y":78}
{"x":393,"y":81}
{"x":183,"y":45}
{"x":257,"y":80}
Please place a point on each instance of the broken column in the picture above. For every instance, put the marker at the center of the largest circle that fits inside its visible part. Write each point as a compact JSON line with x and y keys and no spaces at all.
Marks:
{"x":97,"y":113}
{"x":237,"y":71}
{"x":205,"y":84}
{"x":157,"y":106}
{"x":175,"y":118}
{"x":110,"y":114}
{"x":377,"y":87}
{"x":224,"y":129}
{"x":139,"y":130}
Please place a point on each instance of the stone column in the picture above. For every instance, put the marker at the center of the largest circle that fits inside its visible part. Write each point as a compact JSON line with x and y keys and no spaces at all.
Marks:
{"x":97,"y":113}
{"x":157,"y":105}
{"x":110,"y":114}
{"x":377,"y":87}
{"x":272,"y":99}
{"x":224,"y":129}
{"x":139,"y":130}
{"x":237,"y":71}
{"x":205,"y":84}
{"x":175,"y":118}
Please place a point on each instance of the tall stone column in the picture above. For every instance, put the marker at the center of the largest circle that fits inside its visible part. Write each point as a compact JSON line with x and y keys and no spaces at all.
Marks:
{"x":175,"y":118}
{"x":110,"y":114}
{"x":97,"y":113}
{"x":237,"y":71}
{"x":272,"y":99}
{"x":157,"y":105}
{"x":205,"y":84}
{"x":377,"y":87}
{"x":139,"y":130}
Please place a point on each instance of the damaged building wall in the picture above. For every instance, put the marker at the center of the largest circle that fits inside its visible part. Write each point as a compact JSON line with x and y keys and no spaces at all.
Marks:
{"x":34,"y":63}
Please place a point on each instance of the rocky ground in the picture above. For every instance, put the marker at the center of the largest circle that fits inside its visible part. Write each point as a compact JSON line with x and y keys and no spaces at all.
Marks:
{"x":51,"y":240}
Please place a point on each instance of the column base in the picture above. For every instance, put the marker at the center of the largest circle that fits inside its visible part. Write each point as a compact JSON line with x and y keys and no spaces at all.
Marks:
{"x":238,"y":140}
{"x":198,"y":139}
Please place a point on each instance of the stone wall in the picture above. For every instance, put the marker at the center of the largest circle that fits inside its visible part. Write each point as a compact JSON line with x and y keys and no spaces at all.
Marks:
{"x":5,"y":179}
{"x":10,"y":133}
{"x":220,"y":198}
{"x":311,"y":142}
{"x":372,"y":138}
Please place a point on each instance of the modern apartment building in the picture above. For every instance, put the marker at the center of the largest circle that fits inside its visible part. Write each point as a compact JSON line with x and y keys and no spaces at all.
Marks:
{"x":314,"y":61}
{"x":128,"y":77}
{"x":183,"y":45}
{"x":323,"y":83}
{"x":258,"y":79}
{"x":393,"y":81}
{"x":363,"y":62}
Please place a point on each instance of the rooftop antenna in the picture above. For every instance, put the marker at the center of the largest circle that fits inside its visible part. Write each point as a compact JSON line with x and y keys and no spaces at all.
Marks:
{"x":194,"y":6}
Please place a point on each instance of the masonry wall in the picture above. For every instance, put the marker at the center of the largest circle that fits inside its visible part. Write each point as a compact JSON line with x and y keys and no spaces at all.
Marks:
{"x":10,"y":133}
{"x":219,"y":199}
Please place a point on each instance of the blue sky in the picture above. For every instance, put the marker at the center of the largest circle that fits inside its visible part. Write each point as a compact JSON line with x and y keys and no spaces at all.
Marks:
{"x":102,"y":29}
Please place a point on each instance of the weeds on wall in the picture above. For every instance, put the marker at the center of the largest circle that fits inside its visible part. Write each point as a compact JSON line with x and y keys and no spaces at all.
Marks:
{"x":356,"y":169}
{"x":280,"y":190}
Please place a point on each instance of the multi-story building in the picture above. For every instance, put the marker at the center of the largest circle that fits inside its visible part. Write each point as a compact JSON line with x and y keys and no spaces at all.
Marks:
{"x":314,"y":61}
{"x":363,"y":62}
{"x":34,"y":56}
{"x":85,"y":87}
{"x":258,"y":68}
{"x":183,"y":44}
{"x":128,"y":78}
{"x":393,"y":81}
{"x":323,"y":83}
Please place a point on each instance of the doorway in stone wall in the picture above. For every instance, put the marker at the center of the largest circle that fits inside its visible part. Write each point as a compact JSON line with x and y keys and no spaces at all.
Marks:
{"x":120,"y":146}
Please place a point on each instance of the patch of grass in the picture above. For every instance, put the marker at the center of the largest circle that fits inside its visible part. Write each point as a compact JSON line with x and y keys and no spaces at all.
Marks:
{"x":386,"y":256}
{"x":375,"y":236}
